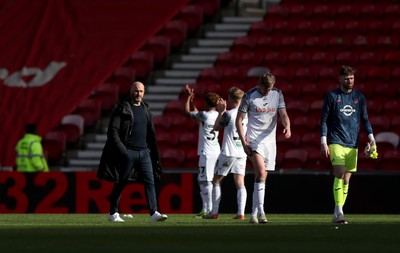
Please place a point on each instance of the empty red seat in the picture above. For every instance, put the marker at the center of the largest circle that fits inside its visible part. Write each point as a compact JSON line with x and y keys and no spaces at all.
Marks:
{"x":172,"y":158}
{"x":391,"y":108}
{"x":294,"y":159}
{"x":297,"y":108}
{"x":347,"y":58}
{"x":316,"y":43}
{"x":142,"y":62}
{"x":284,"y":144}
{"x":108,"y":95}
{"x":259,"y":29}
{"x":276,"y":11}
{"x":162,"y":123}
{"x":210,"y":7}
{"x":315,"y":160}
{"x":322,"y":58}
{"x":387,"y":141}
{"x":55,"y":144}
{"x":303,"y":124}
{"x":316,"y":108}
{"x":90,"y":110}
{"x":374,"y":107}
{"x":176,"y":31}
{"x":188,"y":140}
{"x":227,"y":60}
{"x":160,"y":46}
{"x":174,"y":108}
{"x":243,"y":44}
{"x":379,"y":123}
{"x":391,"y":58}
{"x":191,"y":160}
{"x":249,"y":60}
{"x":73,"y":126}
{"x":123,"y":78}
{"x":390,"y":160}
{"x":192,"y":15}
{"x":323,"y":10}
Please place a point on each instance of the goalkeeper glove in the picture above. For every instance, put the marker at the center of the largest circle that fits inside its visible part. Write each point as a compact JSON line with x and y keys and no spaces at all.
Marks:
{"x":371,"y":150}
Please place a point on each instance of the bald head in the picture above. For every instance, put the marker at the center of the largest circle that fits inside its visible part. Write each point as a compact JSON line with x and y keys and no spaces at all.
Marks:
{"x":137,"y":93}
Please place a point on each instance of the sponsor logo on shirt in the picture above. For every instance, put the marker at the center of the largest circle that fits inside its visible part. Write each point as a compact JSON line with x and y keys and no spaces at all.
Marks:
{"x":348,"y":110}
{"x":265,"y":109}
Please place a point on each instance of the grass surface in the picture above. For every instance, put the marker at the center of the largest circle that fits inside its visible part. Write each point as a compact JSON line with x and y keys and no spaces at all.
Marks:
{"x":183,"y":233}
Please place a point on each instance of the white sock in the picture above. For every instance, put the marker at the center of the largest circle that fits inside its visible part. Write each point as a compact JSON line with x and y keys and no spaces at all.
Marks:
{"x":207,"y":196}
{"x":260,"y":188}
{"x":204,"y":207}
{"x":254,"y":207}
{"x":216,"y":198}
{"x":241,"y":197}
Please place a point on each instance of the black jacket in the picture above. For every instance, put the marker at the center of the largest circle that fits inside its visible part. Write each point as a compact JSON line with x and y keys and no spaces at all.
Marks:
{"x":119,"y":128}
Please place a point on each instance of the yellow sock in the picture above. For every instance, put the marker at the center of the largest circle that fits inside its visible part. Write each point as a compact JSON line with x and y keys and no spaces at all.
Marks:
{"x":345,"y":191}
{"x":338,"y":191}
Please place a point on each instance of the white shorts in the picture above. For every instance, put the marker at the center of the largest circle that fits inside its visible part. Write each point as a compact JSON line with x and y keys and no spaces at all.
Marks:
{"x":206,"y":167}
{"x":268,"y":151}
{"x":226,"y":164}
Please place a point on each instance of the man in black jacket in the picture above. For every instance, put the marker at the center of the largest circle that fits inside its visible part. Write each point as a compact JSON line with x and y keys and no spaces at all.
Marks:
{"x":130,"y":152}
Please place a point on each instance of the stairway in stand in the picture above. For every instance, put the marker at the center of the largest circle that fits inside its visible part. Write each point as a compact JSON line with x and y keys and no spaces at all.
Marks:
{"x":167,"y":84}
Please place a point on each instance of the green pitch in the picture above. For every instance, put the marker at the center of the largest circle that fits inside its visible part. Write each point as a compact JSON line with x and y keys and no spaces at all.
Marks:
{"x":183,"y":233}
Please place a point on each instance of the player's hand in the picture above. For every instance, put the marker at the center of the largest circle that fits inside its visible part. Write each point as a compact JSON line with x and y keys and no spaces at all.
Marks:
{"x":371,"y":151}
{"x":189,"y":90}
{"x":325,"y":150}
{"x":221,"y":105}
{"x":287,"y":132}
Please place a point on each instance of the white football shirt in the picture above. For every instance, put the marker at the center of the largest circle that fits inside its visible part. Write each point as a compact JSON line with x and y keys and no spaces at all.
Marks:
{"x":208,"y":138}
{"x":231,"y":144}
{"x":262,"y":112}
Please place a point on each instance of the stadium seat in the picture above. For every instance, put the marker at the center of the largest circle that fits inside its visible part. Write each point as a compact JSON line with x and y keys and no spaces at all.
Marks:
{"x":322,"y":58}
{"x":391,"y":58}
{"x":210,"y":75}
{"x":368,"y":10}
{"x":191,"y":160}
{"x":294,"y":159}
{"x":374,"y":107}
{"x":259,"y":29}
{"x":174,"y":108}
{"x":250,"y":60}
{"x":316,"y":109}
{"x":371,"y":58}
{"x":365,"y":163}
{"x":347,"y":58}
{"x":390,"y":160}
{"x":329,"y":27}
{"x":73,"y":126}
{"x":276,"y":11}
{"x":315,"y":160}
{"x":298,"y":59}
{"x":324,"y":10}
{"x":387,"y":42}
{"x":316,"y":43}
{"x":161,"y":123}
{"x":243,"y":44}
{"x":297,"y":108}
{"x":303,"y":124}
{"x":391,"y":108}
{"x":274,"y":59}
{"x":387,"y":141}
{"x":380,"y":123}
{"x":308,"y":74}
{"x":160,"y":46}
{"x":142,"y":62}
{"x":384,"y":90}
{"x":292,"y":42}
{"x":187,"y":140}
{"x":176,"y":31}
{"x":192,"y":15}
{"x":90,"y":110}
{"x":108,"y":95}
{"x":268,"y":44}
{"x":307,"y":27}
{"x":166,"y":140}
{"x":55,"y":145}
{"x":227,"y":60}
{"x":344,"y":11}
{"x":182,"y":123}
{"x":379,"y":27}
{"x":210,"y":7}
{"x":339,"y":43}
{"x":172,"y":158}
{"x":355,"y":26}
{"x":283,"y":27}
{"x":284,"y":144}
{"x":123,"y":78}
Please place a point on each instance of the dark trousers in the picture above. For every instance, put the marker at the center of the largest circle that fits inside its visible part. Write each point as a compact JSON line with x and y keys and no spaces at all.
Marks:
{"x":140,"y":161}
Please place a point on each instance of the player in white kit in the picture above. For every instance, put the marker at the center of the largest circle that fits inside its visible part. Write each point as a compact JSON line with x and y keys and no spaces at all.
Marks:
{"x":232,"y":157}
{"x":208,"y":145}
{"x":262,"y":105}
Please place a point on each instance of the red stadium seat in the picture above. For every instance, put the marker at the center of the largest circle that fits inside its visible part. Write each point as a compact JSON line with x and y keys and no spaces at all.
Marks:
{"x":374,"y":107}
{"x":284,"y":144}
{"x":162,"y":123}
{"x":55,"y":145}
{"x":294,"y":159}
{"x":391,"y":108}
{"x":174,"y":108}
{"x":297,"y":108}
{"x":108,"y":95}
{"x":395,"y":124}
{"x":379,"y":123}
{"x":390,"y":160}
{"x":315,"y":43}
{"x":187,"y":140}
{"x":267,"y":45}
{"x":315,"y":160}
{"x":387,"y":141}
{"x":160,"y":46}
{"x":322,"y":58}
{"x":274,"y":59}
{"x":303,"y":124}
{"x":370,"y":58}
{"x":243,"y":44}
{"x":316,"y":109}
{"x":142,"y":62}
{"x":292,"y":42}
{"x":276,"y":11}
{"x":365,"y":163}
{"x":123,"y":78}
{"x":259,"y":29}
{"x":323,"y":10}
{"x":387,"y":42}
{"x":176,"y":31}
{"x":307,"y":27}
{"x":227,"y":60}
{"x":166,"y":140}
{"x":210,"y":7}
{"x":192,"y":15}
{"x":347,"y":58}
{"x":191,"y":160}
{"x":73,"y":126}
{"x":172,"y":158}
{"x":90,"y":110}
{"x":250,"y":59}
{"x":178,"y":123}
{"x":391,"y":58}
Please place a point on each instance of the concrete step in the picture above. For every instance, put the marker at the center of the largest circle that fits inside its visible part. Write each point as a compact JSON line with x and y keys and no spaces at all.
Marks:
{"x":157,"y":89}
{"x":215,"y":42}
{"x":94,"y":163}
{"x":89,"y":154}
{"x":225,"y":35}
{"x":240,"y":20}
{"x":208,"y":50}
{"x":181,"y":73}
{"x":232,"y":27}
{"x":160,"y":97}
{"x":175,"y":81}
{"x":210,"y":58}
{"x":191,"y":66}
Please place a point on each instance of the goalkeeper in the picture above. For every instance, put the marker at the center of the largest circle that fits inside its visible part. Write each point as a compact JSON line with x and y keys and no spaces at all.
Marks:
{"x":343,"y":110}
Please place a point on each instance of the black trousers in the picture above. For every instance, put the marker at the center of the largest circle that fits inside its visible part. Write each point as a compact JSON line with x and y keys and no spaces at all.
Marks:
{"x":140,"y":161}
